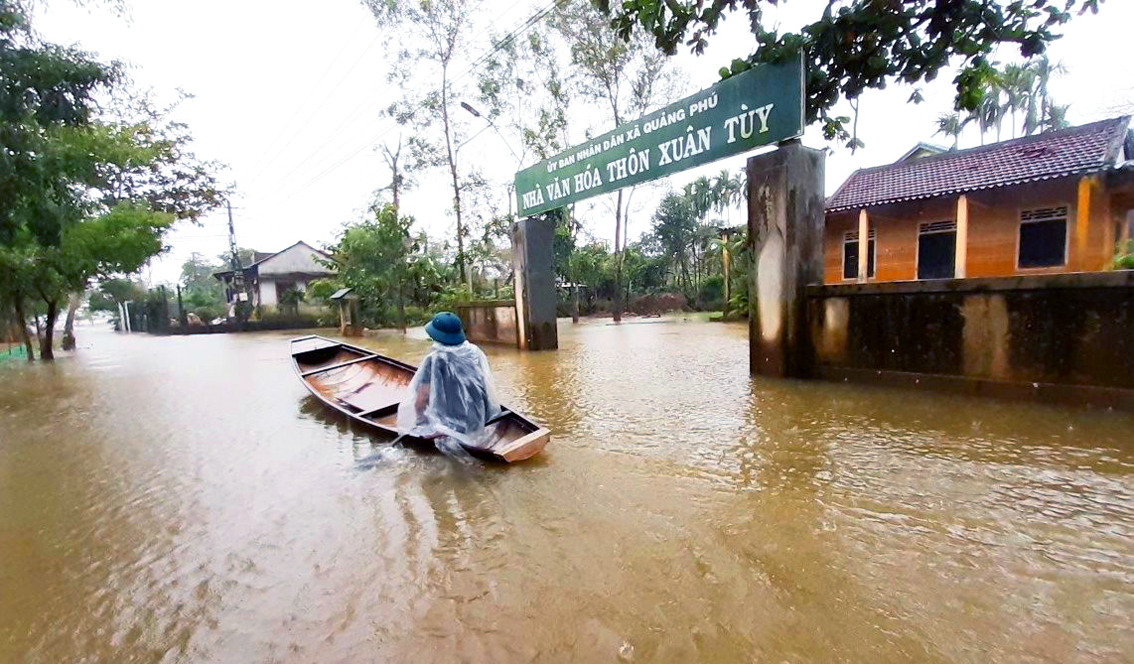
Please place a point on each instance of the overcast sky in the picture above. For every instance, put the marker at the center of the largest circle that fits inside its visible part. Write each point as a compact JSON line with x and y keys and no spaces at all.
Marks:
{"x":291,"y":101}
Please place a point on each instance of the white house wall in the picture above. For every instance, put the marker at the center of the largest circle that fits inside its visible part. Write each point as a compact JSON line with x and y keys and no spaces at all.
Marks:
{"x":268,"y":293}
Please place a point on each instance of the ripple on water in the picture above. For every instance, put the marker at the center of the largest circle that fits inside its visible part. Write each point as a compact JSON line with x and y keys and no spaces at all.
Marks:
{"x":183,"y":500}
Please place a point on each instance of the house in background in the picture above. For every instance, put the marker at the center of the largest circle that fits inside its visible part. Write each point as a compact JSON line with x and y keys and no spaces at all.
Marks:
{"x":1051,"y":203}
{"x":271,"y":276}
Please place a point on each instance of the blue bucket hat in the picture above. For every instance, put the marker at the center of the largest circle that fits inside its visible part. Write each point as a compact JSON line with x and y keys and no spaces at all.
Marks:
{"x":445,"y":328}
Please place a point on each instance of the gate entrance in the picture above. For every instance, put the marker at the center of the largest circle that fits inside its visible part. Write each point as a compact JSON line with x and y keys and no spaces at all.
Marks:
{"x":758,"y":107}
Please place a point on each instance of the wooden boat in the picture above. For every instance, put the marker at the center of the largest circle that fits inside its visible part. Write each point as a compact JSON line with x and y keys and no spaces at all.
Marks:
{"x":367,"y":388}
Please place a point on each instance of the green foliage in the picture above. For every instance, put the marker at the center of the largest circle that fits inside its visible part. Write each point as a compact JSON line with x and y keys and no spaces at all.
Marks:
{"x":385,"y":265}
{"x":863,"y":44}
{"x":426,"y":41}
{"x":100,"y":301}
{"x":201,"y":292}
{"x":712,"y":289}
{"x":1018,"y":94}
{"x":321,"y":290}
{"x":452,"y":297}
{"x":1124,"y":256}
{"x":80,"y":197}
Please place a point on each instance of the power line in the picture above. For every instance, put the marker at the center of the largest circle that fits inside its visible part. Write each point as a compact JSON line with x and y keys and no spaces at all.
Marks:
{"x":499,"y":45}
{"x":343,"y":126}
{"x":300,"y":106}
{"x":324,"y":102}
{"x":281,"y":184}
{"x":362,"y":109}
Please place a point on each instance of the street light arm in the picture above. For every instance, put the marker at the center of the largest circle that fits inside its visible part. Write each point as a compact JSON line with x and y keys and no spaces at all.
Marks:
{"x":492,"y":124}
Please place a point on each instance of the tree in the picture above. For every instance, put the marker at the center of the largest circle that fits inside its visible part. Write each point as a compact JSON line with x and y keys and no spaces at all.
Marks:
{"x":430,"y":33}
{"x":80,"y":196}
{"x":951,"y":124}
{"x":119,"y":292}
{"x":675,"y":231}
{"x":856,"y":45}
{"x":626,"y":75}
{"x":201,"y":292}
{"x":45,"y":91}
{"x":372,"y":258}
{"x":1043,"y":113}
{"x":1017,"y":81}
{"x":398,"y":180}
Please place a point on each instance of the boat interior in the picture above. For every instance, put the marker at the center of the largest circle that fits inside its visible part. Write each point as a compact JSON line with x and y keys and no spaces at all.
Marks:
{"x":368,"y":386}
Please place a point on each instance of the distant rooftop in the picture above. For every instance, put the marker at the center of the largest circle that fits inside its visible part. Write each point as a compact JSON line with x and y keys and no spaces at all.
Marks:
{"x":1079,"y":150}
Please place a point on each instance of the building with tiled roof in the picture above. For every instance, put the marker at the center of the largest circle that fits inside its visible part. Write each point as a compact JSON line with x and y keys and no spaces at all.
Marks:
{"x":1054,"y":202}
{"x":272,"y":275}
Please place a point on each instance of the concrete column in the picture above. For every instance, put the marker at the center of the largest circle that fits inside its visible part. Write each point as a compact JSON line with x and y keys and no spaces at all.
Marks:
{"x":533,"y":261}
{"x":961,"y":255}
{"x":863,"y":246}
{"x":1079,"y":256}
{"x":785,"y":235}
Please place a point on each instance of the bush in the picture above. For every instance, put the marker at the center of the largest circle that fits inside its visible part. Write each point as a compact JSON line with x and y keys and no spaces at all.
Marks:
{"x":269,"y":315}
{"x":1124,"y":257}
{"x":207,"y":313}
{"x":452,"y":297}
{"x":659,"y":304}
{"x":712,"y":291}
{"x":321,"y":290}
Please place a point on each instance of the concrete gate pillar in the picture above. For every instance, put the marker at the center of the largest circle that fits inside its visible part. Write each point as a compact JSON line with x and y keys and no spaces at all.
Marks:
{"x":533,"y":259}
{"x":785,"y":240}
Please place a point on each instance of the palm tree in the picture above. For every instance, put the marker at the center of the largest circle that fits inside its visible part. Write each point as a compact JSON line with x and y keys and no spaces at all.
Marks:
{"x":952,"y":124}
{"x":1055,"y":118}
{"x":702,"y":196}
{"x":989,"y":114}
{"x":1017,"y":82}
{"x":1039,"y":100}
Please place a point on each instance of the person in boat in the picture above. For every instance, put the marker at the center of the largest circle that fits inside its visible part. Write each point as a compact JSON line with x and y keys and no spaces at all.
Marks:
{"x":451,"y":394}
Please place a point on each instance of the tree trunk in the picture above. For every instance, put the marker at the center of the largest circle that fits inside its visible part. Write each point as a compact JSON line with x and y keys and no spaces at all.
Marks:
{"x":46,"y":351}
{"x":22,"y":321}
{"x":462,"y":261}
{"x":726,"y":268}
{"x":575,"y":304}
{"x":73,"y":303}
{"x":618,"y":259}
{"x":401,"y":309}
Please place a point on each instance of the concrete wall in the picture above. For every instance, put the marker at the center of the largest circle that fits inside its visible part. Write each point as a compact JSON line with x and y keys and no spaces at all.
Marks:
{"x":490,"y":322}
{"x":993,"y":229}
{"x":1066,"y":337}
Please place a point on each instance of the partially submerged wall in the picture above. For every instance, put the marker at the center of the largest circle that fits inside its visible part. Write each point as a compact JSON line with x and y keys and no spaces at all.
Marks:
{"x":490,"y":322}
{"x":1066,"y":337}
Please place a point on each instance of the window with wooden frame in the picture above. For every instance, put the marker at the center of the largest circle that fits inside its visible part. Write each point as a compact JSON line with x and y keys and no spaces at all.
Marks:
{"x":850,"y":255}
{"x":1043,"y":238}
{"x":936,"y":249}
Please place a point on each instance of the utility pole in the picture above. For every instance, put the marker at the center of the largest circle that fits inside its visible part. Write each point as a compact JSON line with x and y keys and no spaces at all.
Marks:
{"x":182,"y":315}
{"x":237,"y":269}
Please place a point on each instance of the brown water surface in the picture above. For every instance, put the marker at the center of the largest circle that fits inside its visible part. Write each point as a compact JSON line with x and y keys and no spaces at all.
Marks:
{"x":183,"y":500}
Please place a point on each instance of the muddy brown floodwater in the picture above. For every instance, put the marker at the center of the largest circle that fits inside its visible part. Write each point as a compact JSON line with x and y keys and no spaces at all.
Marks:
{"x":183,"y":500}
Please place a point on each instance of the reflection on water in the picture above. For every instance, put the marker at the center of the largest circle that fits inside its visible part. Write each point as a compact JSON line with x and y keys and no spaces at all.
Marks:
{"x":183,"y":499}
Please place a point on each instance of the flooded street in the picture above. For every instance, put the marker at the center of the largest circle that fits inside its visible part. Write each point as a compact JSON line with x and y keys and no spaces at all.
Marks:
{"x":184,"y":500}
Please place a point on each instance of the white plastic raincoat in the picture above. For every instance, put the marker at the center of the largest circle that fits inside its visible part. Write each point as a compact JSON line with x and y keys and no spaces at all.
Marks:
{"x":450,"y":395}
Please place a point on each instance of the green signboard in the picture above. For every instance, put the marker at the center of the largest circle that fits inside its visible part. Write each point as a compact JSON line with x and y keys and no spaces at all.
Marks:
{"x":761,"y":106}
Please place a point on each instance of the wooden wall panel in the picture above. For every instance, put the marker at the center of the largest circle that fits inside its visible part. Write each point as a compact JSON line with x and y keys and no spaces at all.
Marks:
{"x":837,"y":225}
{"x":993,"y":231}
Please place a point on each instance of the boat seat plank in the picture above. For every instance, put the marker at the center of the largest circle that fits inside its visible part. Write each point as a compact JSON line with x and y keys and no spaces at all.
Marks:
{"x":340,"y":365}
{"x":377,"y":411}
